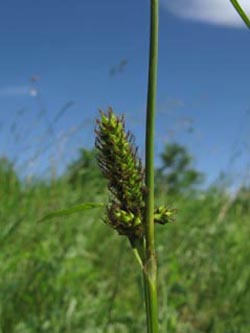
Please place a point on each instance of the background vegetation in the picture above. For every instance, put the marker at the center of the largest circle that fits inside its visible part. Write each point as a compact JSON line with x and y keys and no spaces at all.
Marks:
{"x":76,"y":275}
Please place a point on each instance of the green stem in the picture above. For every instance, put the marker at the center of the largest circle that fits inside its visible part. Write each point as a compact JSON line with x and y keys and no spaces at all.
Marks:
{"x":241,"y":12}
{"x":138,"y":250}
{"x":150,"y":265}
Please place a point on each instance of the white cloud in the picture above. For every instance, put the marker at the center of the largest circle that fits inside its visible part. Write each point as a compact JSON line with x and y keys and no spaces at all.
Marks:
{"x":217,"y":12}
{"x":12,"y":91}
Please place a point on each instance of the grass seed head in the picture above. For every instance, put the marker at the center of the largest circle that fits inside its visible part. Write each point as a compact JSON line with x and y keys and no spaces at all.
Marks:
{"x":118,"y":160}
{"x":163,"y":215}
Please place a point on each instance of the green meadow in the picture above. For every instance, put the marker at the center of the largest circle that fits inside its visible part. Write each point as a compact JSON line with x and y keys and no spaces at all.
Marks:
{"x":74,"y":274}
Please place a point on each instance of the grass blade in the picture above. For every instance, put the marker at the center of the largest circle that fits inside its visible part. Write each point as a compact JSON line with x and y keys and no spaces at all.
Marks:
{"x":241,"y":12}
{"x":74,"y":209}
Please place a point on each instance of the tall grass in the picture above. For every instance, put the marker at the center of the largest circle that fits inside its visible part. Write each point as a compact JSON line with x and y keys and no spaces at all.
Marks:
{"x":74,"y":275}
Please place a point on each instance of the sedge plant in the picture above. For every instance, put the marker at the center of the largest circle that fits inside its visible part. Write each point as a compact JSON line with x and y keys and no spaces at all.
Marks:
{"x":127,"y":211}
{"x":130,"y":209}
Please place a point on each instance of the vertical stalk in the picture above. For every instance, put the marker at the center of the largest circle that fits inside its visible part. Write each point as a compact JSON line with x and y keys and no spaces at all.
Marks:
{"x":150,"y":265}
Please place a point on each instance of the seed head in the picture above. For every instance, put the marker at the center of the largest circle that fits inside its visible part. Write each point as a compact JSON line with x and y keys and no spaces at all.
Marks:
{"x":118,"y":160}
{"x":163,"y":215}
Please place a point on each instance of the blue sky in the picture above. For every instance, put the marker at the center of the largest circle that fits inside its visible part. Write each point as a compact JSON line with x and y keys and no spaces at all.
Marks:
{"x":63,"y":60}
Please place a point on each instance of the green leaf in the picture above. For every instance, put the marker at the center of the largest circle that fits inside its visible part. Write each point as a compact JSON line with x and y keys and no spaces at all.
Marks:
{"x":75,"y":209}
{"x":241,"y":12}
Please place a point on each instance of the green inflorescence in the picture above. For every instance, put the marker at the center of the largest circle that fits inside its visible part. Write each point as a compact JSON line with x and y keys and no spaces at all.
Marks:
{"x":163,"y":215}
{"x":118,"y":160}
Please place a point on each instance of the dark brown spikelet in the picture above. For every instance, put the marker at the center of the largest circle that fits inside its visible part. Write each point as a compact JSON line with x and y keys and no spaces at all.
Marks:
{"x":118,"y":160}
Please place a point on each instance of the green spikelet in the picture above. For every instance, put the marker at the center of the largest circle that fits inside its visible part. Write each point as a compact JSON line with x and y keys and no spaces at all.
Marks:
{"x":163,"y":215}
{"x":118,"y":160}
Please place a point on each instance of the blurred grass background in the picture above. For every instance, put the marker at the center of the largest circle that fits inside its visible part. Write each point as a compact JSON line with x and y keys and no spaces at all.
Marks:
{"x":75,"y":274}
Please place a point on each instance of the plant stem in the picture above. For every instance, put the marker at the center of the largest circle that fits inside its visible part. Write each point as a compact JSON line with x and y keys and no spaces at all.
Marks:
{"x":150,"y":265}
{"x":241,"y":12}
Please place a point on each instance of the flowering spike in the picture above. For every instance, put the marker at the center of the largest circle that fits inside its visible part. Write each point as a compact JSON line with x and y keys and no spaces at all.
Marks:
{"x":117,"y":158}
{"x":163,"y":215}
